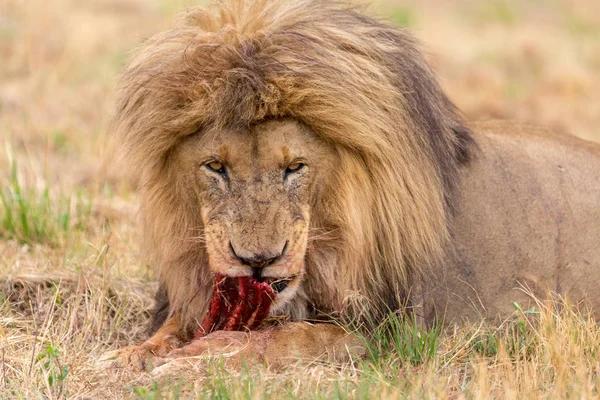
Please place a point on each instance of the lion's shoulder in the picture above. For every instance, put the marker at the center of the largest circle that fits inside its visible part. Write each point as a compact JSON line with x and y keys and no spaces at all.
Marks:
{"x":526,"y":132}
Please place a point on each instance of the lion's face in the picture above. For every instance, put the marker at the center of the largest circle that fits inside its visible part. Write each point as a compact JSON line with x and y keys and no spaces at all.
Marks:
{"x":254,"y":189}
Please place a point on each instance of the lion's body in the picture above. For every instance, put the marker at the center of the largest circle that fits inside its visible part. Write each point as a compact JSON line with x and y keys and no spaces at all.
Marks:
{"x":396,"y":205}
{"x":527,"y":217}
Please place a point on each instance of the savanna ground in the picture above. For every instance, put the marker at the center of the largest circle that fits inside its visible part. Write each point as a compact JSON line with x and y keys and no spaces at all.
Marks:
{"x":72,"y":285}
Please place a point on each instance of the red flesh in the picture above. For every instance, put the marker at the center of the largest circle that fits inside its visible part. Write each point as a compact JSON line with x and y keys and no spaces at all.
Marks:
{"x":236,"y":304}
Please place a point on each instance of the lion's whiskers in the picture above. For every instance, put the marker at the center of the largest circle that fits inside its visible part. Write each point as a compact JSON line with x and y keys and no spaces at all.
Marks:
{"x":200,"y":237}
{"x":327,"y":235}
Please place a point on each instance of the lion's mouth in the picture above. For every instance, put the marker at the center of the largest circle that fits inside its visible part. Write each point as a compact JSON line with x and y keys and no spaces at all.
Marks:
{"x":277,"y":284}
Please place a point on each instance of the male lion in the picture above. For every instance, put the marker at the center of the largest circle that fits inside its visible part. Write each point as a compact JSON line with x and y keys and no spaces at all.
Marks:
{"x":308,"y":148}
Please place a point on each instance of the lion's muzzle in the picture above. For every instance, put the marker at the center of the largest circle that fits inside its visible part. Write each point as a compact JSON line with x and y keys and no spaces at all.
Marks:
{"x":258,"y":260}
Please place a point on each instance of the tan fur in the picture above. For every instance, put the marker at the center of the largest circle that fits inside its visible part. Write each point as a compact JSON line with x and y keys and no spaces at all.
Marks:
{"x":383,"y":215}
{"x":527,"y":221}
{"x":352,"y":80}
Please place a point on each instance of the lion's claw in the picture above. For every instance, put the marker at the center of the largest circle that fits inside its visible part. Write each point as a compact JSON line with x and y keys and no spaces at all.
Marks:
{"x":138,"y":358}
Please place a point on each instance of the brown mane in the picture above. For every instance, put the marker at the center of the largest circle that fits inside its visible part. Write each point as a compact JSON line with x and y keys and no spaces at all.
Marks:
{"x":359,"y":83}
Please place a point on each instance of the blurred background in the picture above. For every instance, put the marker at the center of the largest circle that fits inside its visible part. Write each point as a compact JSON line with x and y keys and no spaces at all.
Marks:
{"x":536,"y":61}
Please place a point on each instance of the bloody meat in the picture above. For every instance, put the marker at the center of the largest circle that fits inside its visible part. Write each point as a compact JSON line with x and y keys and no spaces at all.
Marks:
{"x":237,"y":303}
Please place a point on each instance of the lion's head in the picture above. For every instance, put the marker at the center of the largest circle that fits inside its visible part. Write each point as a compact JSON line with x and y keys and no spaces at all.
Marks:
{"x":254,"y":188}
{"x":300,"y":141}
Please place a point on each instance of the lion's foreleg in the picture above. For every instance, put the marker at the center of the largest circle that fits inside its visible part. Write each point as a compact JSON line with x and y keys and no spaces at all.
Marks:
{"x":312,"y":342}
{"x":275,"y":346}
{"x":169,"y":337}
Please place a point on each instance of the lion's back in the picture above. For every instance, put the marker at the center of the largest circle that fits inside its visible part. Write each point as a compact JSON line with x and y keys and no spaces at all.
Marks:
{"x":527,"y":216}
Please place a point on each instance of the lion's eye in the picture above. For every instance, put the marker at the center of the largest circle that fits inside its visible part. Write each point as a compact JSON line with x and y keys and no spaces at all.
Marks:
{"x":294,"y":167}
{"x":216,"y":166}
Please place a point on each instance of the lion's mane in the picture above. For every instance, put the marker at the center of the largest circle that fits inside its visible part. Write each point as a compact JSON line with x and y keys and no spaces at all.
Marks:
{"x":360,"y":84}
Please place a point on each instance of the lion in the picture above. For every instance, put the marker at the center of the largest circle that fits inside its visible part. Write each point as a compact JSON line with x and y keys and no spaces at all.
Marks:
{"x":311,"y":144}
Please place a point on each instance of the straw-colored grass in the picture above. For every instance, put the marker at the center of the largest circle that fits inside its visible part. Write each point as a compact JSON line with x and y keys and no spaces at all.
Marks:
{"x":72,"y":285}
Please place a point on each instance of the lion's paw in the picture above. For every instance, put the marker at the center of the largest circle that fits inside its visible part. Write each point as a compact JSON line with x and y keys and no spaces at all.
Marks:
{"x":137,"y":358}
{"x":176,"y":366}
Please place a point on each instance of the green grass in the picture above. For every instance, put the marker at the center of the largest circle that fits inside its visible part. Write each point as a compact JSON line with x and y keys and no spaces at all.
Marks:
{"x":31,"y":216}
{"x":403,"y":338}
{"x":403,"y":16}
{"x":582,"y":27}
{"x":504,"y":12}
{"x":399,"y":350}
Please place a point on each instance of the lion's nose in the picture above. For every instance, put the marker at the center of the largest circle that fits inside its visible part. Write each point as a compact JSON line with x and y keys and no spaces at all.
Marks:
{"x":257,"y":260}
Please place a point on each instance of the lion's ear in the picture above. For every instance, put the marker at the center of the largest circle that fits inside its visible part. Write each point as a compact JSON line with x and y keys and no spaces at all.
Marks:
{"x":464,"y":143}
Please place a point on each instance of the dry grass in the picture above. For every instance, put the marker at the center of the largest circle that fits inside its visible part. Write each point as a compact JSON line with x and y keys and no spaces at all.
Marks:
{"x":72,"y":286}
